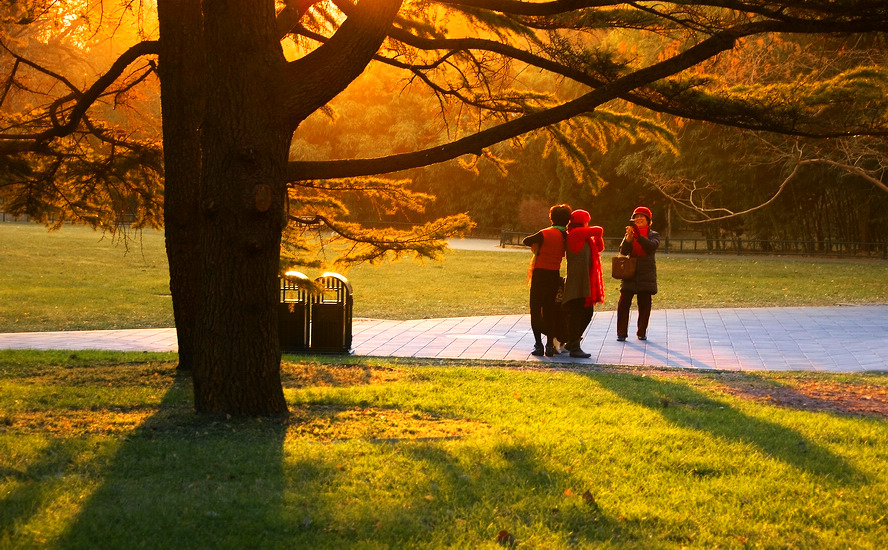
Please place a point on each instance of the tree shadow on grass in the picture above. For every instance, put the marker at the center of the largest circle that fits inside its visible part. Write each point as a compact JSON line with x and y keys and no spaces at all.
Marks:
{"x":864,"y":397}
{"x":182,"y":480}
{"x":692,"y":409}
{"x":438,"y":499}
{"x":30,"y":494}
{"x":439,"y":491}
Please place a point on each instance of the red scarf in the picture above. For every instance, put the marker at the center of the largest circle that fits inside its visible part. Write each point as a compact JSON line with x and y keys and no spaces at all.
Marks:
{"x":593,"y":236}
{"x":596,"y":279}
{"x":637,"y":250}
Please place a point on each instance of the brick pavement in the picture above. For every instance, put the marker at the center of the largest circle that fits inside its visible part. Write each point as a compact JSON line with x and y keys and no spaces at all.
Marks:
{"x":835,"y":339}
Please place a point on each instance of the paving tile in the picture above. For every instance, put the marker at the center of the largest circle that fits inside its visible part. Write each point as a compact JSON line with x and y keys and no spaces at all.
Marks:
{"x":833,"y":339}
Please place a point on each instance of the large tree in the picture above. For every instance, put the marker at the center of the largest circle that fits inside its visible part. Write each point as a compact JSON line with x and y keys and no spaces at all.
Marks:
{"x":238,"y":77}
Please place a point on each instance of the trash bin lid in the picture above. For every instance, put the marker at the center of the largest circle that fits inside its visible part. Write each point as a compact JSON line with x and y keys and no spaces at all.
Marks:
{"x":337,"y":276}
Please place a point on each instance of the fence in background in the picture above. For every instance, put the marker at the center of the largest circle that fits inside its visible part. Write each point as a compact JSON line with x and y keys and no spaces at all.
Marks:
{"x":123,"y":219}
{"x":4,"y":217}
{"x":740,"y":246}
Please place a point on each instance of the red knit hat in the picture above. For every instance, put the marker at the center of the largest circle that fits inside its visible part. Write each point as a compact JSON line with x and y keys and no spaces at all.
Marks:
{"x":644,"y":211}
{"x":579,"y":218}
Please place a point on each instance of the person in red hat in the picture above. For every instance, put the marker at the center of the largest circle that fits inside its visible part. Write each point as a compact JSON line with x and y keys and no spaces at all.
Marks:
{"x":642,"y":243}
{"x":584,"y":286}
{"x":545,"y":279}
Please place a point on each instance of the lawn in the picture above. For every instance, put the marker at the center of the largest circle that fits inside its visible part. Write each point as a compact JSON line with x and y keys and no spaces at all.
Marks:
{"x":104,"y":450}
{"x":76,"y":279}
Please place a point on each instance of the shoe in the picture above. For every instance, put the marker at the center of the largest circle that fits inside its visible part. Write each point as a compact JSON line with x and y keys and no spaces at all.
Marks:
{"x":538,"y":350}
{"x":550,"y":350}
{"x":579,"y":353}
{"x":621,"y":338}
{"x":642,"y":337}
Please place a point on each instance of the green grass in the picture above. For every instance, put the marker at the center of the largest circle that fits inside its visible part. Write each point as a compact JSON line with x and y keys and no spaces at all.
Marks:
{"x":78,"y":279}
{"x":104,"y":451}
{"x":495,"y":283}
{"x":74,"y":279}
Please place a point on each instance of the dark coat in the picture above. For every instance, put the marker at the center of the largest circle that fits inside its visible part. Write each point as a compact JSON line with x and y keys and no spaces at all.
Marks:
{"x":645,"y":279}
{"x":577,"y":285}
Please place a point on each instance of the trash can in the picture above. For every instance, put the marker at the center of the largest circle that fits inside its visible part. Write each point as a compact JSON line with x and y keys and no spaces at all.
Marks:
{"x":331,"y":315}
{"x":293,"y":312}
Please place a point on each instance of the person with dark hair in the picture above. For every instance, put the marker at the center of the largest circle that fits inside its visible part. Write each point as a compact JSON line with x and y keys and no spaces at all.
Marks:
{"x":545,"y":278}
{"x":584,"y":286}
{"x":640,"y":242}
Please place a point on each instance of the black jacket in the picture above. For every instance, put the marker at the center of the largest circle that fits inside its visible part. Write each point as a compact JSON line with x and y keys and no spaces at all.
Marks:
{"x":645,"y":279}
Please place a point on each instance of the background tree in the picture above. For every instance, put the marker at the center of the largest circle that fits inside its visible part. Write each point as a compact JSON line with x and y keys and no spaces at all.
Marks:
{"x":824,"y":186}
{"x":238,"y":78}
{"x":61,"y":163}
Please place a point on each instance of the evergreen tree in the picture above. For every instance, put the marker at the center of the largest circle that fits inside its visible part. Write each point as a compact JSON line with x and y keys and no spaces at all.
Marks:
{"x":238,"y":78}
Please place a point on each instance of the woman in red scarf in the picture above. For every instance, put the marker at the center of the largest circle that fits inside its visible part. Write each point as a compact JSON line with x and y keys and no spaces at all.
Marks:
{"x":584,"y":286}
{"x":640,"y":242}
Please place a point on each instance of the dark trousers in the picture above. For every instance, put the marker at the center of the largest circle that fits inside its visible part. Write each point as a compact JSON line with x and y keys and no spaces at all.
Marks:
{"x":645,"y":299}
{"x":578,"y":318}
{"x":544,"y":310}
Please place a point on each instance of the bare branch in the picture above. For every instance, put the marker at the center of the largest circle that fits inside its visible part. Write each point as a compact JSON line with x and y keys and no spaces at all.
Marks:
{"x":706,"y":213}
{"x":86,"y":99}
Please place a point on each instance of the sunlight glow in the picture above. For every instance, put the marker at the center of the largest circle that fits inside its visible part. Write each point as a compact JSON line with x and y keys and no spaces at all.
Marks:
{"x":85,"y":23}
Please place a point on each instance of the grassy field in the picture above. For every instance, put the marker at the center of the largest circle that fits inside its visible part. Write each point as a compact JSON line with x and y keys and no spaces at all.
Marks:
{"x":104,"y":451}
{"x":74,"y":279}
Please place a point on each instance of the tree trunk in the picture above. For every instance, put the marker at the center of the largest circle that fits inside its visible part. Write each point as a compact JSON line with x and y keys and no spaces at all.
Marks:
{"x":245,"y":145}
{"x":227,"y":132}
{"x":180,"y":68}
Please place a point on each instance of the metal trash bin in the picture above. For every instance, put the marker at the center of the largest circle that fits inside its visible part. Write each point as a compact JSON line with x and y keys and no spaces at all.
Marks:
{"x":331,"y":315}
{"x":293,"y":312}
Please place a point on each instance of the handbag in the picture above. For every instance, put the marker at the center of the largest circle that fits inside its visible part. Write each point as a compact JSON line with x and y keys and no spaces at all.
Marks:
{"x":623,"y":267}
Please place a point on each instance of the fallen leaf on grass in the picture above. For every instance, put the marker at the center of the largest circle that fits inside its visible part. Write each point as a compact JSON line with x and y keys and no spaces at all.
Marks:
{"x":505,"y":538}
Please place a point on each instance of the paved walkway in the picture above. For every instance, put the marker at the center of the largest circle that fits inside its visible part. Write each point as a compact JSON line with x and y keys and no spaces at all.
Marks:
{"x":835,"y":339}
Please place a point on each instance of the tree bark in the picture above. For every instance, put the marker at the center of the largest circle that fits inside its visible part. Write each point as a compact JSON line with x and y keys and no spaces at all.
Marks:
{"x":227,"y":131}
{"x":180,"y":64}
{"x":245,"y":144}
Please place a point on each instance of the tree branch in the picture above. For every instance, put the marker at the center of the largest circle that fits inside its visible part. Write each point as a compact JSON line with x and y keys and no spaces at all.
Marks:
{"x":290,"y":15}
{"x":856,"y":170}
{"x":319,"y":76}
{"x":705,"y":212}
{"x":86,"y":99}
{"x":475,"y":143}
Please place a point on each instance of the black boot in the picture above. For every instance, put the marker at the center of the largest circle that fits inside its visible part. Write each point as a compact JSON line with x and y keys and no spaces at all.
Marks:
{"x":550,"y":348}
{"x":577,"y":351}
